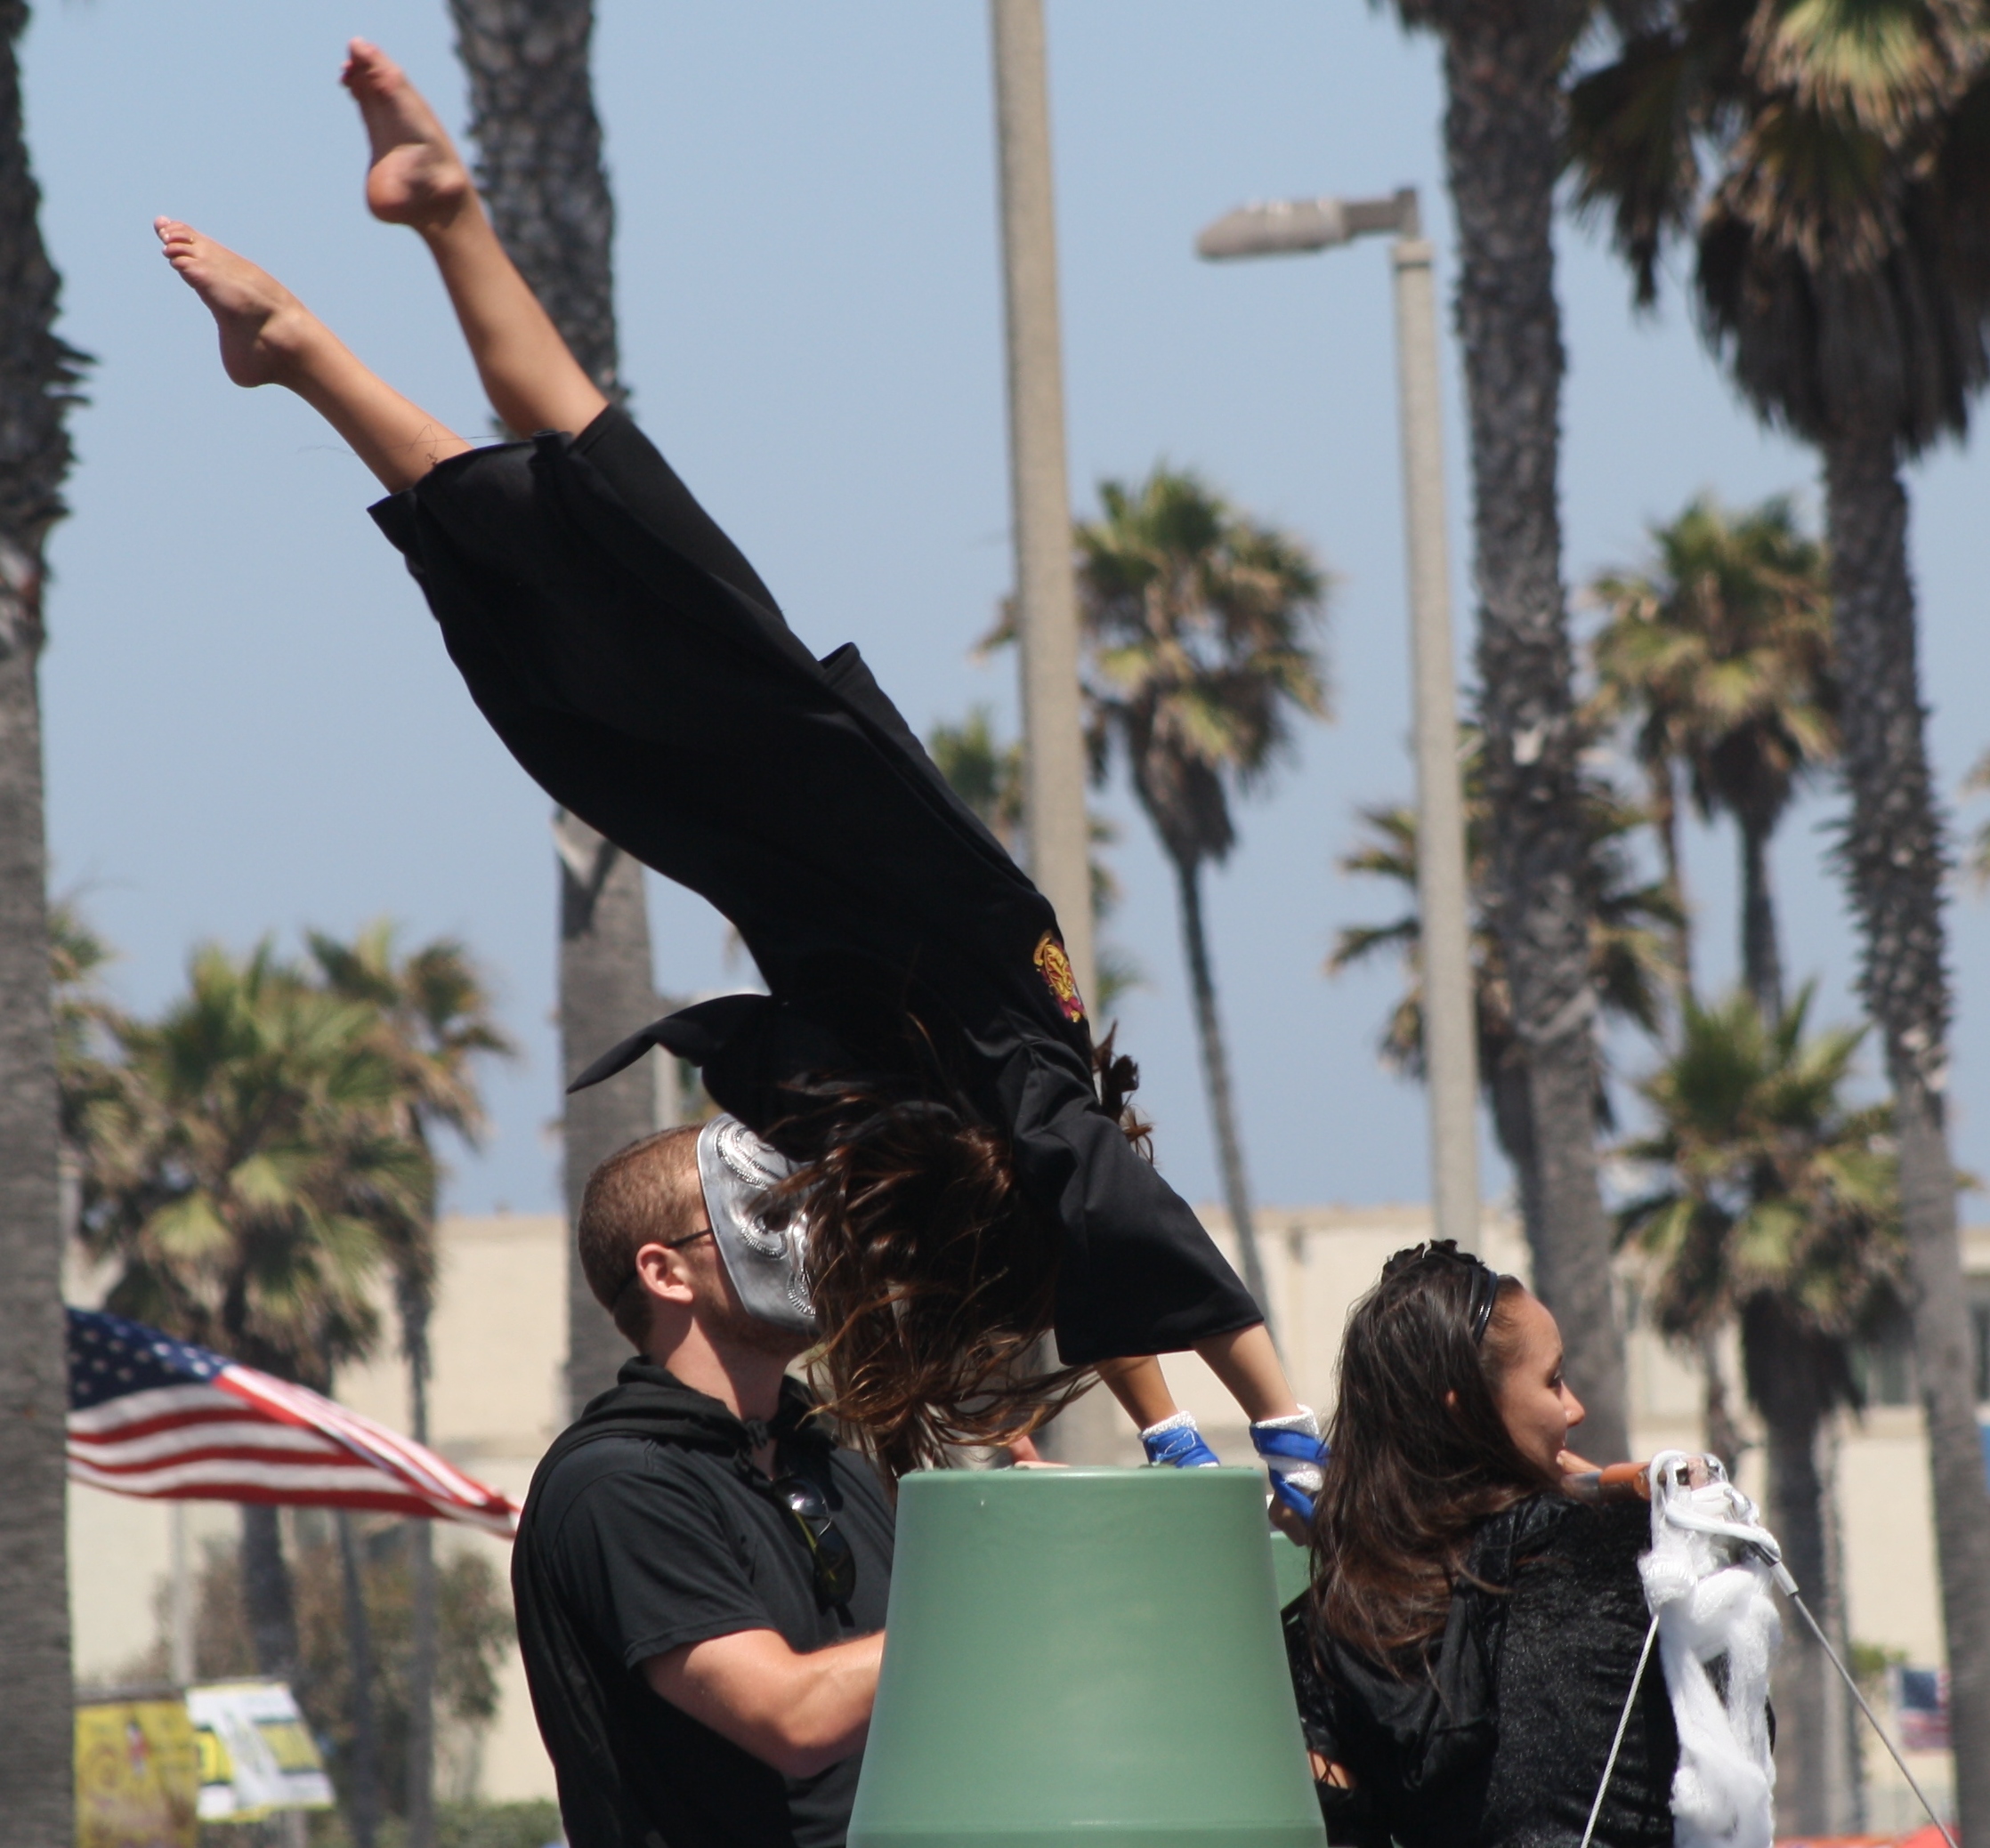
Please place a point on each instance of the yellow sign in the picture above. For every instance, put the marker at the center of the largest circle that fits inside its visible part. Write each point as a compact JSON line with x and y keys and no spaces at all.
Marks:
{"x":256,"y":1755}
{"x":137,"y":1775}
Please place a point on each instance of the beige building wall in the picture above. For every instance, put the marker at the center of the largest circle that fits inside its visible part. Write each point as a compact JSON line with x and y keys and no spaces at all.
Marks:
{"x":499,"y":1342}
{"x":499,"y":1347}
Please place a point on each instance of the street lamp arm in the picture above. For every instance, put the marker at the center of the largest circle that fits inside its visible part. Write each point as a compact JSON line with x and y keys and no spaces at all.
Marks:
{"x":1288,"y":227}
{"x":1279,"y":227}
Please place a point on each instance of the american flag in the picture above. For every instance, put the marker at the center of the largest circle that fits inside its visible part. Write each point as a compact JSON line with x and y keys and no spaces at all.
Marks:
{"x":1920,"y":1706}
{"x":150,"y":1416}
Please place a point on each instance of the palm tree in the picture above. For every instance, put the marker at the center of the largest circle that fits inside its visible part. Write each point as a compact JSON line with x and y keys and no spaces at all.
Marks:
{"x":1720,"y":656}
{"x":89,"y":1026}
{"x":1504,"y":65}
{"x":246,"y":1169}
{"x":1197,"y":626}
{"x":1978,"y":856}
{"x":539,"y":168}
{"x":988,"y":776}
{"x":1830,"y":163}
{"x":1778,"y":1210}
{"x":1632,"y":929}
{"x":982,"y":771}
{"x":37,"y":372}
{"x":435,"y":1018}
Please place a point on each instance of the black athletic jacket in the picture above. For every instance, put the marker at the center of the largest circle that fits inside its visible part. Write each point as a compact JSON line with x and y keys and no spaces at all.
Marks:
{"x":1500,"y":1738}
{"x":639,"y":670}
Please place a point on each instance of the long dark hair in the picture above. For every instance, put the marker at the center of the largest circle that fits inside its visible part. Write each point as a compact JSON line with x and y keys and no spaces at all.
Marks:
{"x":933,"y":1275}
{"x":1420,"y":1455}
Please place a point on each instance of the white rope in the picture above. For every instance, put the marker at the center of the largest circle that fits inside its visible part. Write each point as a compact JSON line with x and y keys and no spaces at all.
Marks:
{"x":1623,"y":1721}
{"x":1789,"y":1588}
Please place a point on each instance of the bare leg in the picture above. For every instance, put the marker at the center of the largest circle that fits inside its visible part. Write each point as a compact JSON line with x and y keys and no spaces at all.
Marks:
{"x":1141,"y":1388}
{"x":267,"y":337}
{"x":417,"y":178}
{"x":1246,"y":1362}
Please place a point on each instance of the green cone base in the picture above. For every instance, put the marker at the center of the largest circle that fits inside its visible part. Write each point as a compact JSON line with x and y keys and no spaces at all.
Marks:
{"x":1084,"y":1656}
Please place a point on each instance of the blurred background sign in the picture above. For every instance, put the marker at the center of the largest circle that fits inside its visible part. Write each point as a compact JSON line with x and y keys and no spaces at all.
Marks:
{"x":137,"y":1774}
{"x":255,"y":1754}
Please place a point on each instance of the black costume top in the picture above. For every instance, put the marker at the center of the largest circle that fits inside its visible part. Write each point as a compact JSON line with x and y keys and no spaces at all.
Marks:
{"x":640,"y":671}
{"x":1501,"y":1739}
{"x":647,"y":1528}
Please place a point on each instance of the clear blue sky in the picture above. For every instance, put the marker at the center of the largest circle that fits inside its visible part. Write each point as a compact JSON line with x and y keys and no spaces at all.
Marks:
{"x":252,"y":727}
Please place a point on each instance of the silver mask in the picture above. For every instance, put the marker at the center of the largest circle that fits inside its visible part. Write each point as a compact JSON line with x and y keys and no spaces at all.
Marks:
{"x":767,"y":1263}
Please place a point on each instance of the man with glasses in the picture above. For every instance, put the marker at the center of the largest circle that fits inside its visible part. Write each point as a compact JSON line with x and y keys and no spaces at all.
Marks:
{"x":700,"y":1572}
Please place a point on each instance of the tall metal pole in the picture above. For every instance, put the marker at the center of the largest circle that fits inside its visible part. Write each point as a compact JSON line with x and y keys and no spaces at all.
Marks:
{"x":1055,"y":822}
{"x":1045,"y":592}
{"x":181,"y":1644}
{"x":1450,"y":1029}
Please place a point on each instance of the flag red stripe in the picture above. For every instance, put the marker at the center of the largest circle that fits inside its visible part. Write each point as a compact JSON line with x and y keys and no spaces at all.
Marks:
{"x":245,"y":1436}
{"x":230,"y":1453}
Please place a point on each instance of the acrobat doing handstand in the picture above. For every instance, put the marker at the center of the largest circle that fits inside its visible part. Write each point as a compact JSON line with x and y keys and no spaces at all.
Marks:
{"x":957,"y":1158}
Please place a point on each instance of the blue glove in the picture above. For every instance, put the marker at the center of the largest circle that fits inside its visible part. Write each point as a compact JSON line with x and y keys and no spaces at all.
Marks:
{"x":1178,"y":1442}
{"x":1295,"y":1455}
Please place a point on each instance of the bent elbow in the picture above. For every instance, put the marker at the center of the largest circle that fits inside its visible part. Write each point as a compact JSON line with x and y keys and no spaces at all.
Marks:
{"x":801,"y":1753}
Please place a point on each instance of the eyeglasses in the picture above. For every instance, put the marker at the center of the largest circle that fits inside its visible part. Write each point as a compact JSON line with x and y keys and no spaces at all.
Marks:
{"x":829,"y":1551}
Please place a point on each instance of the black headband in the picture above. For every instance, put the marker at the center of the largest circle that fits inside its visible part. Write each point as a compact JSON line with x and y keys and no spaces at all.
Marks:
{"x":1485,"y":1293}
{"x":1485,"y":1279}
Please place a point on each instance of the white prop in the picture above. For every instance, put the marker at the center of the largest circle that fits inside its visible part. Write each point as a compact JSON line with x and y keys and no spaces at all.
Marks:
{"x":1707,"y":1582}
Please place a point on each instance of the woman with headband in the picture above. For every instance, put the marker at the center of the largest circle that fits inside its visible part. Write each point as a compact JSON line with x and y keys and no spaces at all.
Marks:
{"x":1475,"y":1614}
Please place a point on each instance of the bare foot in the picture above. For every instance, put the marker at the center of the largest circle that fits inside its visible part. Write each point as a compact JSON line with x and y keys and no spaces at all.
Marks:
{"x":264,"y":327}
{"x":416,"y":177}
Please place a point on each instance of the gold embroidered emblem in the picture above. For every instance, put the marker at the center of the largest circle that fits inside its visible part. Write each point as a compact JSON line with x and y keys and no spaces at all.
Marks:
{"x":1055,"y":967}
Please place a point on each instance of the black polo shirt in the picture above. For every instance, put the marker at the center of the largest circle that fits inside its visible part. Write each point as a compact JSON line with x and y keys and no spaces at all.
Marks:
{"x":649,"y":1544}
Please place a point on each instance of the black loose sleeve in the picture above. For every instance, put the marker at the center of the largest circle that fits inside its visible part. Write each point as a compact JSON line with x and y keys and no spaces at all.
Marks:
{"x":637,"y":666}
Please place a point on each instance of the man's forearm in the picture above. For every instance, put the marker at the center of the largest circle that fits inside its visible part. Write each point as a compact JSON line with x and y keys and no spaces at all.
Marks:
{"x":799,"y":1713}
{"x":829,"y":1720}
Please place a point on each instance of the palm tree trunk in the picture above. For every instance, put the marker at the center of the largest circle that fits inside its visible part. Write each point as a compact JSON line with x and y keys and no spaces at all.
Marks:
{"x":606,"y":991}
{"x":1215,"y":1080}
{"x":1665,"y":824}
{"x":1513,"y":1127}
{"x":538,"y":162}
{"x":1761,"y":954}
{"x":1501,"y":132}
{"x":36,"y":1748}
{"x":420,"y":1796}
{"x":266,"y":1598}
{"x":1789,"y":1373}
{"x":538,"y":147}
{"x":1846,"y":1771}
{"x":362,"y":1795}
{"x":1723,"y":1437}
{"x":1894,"y":858}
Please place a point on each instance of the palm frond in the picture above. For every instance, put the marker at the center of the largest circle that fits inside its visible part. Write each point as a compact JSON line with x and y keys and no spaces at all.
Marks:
{"x":1199,"y":637}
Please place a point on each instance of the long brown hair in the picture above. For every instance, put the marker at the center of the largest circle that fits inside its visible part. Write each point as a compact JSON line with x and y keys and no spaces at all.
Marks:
{"x":933,"y":1277}
{"x":1421,"y":1455}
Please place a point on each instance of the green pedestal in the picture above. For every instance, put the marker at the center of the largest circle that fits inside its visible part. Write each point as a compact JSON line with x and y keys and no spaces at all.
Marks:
{"x":1291,"y":1569}
{"x":1084,"y":1656}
